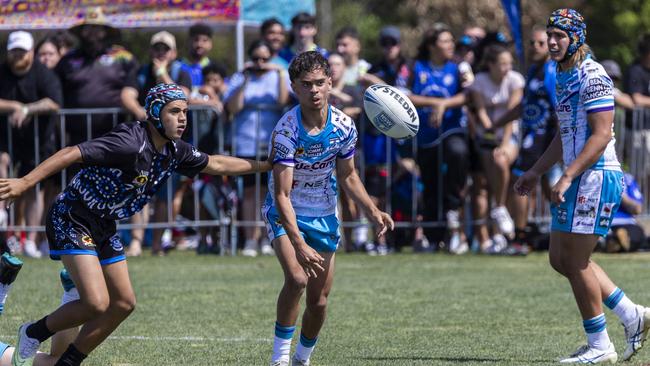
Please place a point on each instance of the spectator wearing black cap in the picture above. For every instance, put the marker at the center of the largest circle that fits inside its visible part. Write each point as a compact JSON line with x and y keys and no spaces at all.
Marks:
{"x":302,"y":37}
{"x":392,"y":62}
{"x":638,"y":75}
{"x":197,"y":57}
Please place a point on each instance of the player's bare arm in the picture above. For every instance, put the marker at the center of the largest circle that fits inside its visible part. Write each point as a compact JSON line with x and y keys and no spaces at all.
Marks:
{"x":229,"y":165}
{"x":349,"y":180}
{"x":14,"y":187}
{"x":308,"y":258}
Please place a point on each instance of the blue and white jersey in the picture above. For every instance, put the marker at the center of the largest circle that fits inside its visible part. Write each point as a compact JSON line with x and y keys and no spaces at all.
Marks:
{"x":313,"y":159}
{"x":580,"y":91}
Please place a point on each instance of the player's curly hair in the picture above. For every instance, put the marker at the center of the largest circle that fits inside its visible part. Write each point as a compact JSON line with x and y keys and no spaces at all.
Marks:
{"x":306,"y":62}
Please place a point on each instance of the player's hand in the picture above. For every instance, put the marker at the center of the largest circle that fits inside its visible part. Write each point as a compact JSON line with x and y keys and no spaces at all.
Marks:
{"x":310,"y":260}
{"x":558,"y":190}
{"x":12,"y":188}
{"x":18,"y":116}
{"x":526,"y":183}
{"x":438,"y":110}
{"x":383,"y":221}
{"x":160,"y":66}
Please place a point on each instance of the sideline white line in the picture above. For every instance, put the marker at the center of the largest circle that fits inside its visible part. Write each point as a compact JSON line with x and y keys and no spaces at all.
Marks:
{"x":186,"y":338}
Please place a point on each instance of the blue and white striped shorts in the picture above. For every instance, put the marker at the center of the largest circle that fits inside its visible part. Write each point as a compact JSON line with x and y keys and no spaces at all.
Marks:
{"x":589,"y":203}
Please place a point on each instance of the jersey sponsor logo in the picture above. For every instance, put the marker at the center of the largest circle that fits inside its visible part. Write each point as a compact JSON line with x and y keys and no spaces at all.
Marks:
{"x":604,"y":222}
{"x":568,"y":130}
{"x":310,"y":184}
{"x":317,"y":165}
{"x":314,"y":149}
{"x":564,"y":108}
{"x":87,"y":241}
{"x":141,"y":180}
{"x":587,"y":211}
{"x":597,"y":88}
{"x":281,"y":149}
{"x":448,"y":80}
{"x":607,"y":210}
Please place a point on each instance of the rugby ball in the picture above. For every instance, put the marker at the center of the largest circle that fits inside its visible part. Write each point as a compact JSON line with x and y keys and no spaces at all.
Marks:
{"x":391,"y":111}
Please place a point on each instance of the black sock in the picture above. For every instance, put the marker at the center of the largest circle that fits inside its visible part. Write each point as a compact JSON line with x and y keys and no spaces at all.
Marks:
{"x":71,"y":357}
{"x":39,"y":330}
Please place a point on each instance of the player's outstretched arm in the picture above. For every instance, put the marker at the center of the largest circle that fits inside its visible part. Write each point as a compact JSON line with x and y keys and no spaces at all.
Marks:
{"x":230,"y":165}
{"x":349,"y":180}
{"x":12,"y":188}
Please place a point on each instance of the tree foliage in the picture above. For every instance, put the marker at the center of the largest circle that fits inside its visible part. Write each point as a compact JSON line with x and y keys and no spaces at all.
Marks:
{"x":613,"y":26}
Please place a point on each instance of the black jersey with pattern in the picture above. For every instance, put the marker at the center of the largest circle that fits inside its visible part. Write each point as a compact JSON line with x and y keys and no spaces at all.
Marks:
{"x":123,"y":170}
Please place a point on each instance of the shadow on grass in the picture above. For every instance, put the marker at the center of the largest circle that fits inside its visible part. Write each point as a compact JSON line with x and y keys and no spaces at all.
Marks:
{"x":446,"y":359}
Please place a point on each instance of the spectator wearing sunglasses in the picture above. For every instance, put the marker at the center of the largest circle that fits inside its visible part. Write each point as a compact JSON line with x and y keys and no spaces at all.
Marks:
{"x":255,"y":99}
{"x":392,"y":62}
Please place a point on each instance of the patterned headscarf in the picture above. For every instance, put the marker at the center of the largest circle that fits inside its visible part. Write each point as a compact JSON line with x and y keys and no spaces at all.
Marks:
{"x":573,"y":24}
{"x":156,"y":100}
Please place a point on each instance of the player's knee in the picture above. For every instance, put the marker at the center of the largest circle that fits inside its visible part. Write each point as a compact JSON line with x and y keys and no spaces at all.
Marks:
{"x":556,"y":264}
{"x":296,"y":282}
{"x":124,"y":306}
{"x":95,"y":305}
{"x":317,"y":306}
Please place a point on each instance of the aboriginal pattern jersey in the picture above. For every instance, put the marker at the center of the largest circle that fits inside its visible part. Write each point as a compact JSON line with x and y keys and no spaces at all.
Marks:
{"x":580,"y":91}
{"x":313,"y":159}
{"x":539,"y":98}
{"x":123,"y":170}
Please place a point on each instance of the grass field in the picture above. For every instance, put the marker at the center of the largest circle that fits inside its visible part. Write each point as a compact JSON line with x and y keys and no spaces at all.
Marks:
{"x":397,"y":310}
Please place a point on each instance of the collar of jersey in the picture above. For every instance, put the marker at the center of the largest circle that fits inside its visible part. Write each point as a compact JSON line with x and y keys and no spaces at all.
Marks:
{"x":303,"y":132}
{"x":170,"y":146}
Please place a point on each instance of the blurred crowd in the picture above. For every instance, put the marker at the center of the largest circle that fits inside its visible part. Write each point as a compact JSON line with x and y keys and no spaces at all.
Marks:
{"x":482,"y":124}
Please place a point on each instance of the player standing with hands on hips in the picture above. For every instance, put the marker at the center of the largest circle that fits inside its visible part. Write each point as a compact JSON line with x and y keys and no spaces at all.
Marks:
{"x":588,"y":193}
{"x":121,"y":171}
{"x":311,"y":142}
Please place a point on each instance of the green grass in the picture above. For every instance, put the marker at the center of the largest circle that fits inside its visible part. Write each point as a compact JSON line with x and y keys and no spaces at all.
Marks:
{"x":397,"y":310}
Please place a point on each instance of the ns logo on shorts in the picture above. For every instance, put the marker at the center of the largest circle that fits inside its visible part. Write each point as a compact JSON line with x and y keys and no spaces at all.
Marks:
{"x":116,"y":243}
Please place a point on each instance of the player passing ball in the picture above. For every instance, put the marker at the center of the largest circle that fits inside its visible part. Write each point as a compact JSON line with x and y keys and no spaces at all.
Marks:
{"x":312,"y":141}
{"x":121,"y":171}
{"x":588,"y":194}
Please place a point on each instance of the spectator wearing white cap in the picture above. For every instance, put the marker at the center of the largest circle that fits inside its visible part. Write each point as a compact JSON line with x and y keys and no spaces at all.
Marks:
{"x":27,"y":89}
{"x":163,"y":68}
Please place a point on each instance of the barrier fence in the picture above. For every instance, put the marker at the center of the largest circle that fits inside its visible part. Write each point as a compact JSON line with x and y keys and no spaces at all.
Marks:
{"x":214,"y":203}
